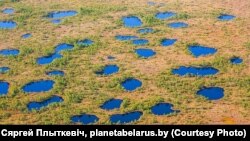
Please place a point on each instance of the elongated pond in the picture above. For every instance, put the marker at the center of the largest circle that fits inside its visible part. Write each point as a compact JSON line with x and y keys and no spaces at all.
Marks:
{"x":39,"y":105}
{"x":125,"y":118}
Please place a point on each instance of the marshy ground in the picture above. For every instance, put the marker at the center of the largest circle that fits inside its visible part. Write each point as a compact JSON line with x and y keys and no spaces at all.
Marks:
{"x":88,"y":36}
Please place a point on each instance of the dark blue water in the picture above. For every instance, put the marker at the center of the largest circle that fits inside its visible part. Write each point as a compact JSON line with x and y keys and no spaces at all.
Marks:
{"x":108,"y":70}
{"x":165,"y":15}
{"x":226,"y":17}
{"x":4,"y":88}
{"x":85,"y":119}
{"x":56,"y":21}
{"x":125,"y":37}
{"x":178,"y":25}
{"x":198,"y":50}
{"x":140,"y":42}
{"x":39,"y":105}
{"x":163,"y":109}
{"x":9,"y":52}
{"x":4,"y":69}
{"x":61,"y":14}
{"x":145,"y":53}
{"x":145,"y":30}
{"x":7,"y":24}
{"x":62,"y":47}
{"x":168,"y":42}
{"x":132,"y":21}
{"x":85,"y":42}
{"x":236,"y":60}
{"x":212,"y":93}
{"x":8,"y":11}
{"x":131,"y":84}
{"x":195,"y":71}
{"x":112,"y":104}
{"x":111,"y":58}
{"x":55,"y":73}
{"x":38,"y":86}
{"x":125,"y":118}
{"x":26,"y":36}
{"x":48,"y":59}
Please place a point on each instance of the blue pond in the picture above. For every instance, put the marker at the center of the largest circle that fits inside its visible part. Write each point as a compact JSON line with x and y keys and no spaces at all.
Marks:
{"x":211,"y":93}
{"x":112,"y":104}
{"x":8,"y":11}
{"x":125,"y":37}
{"x":198,"y":50}
{"x":131,"y":84}
{"x":4,"y":69}
{"x":84,"y":119}
{"x":27,"y":35}
{"x":165,"y":15}
{"x":55,"y":73}
{"x":4,"y":88}
{"x":195,"y":71}
{"x":145,"y":30}
{"x":39,"y":105}
{"x":48,"y":59}
{"x":132,"y":21}
{"x":85,"y":42}
{"x":226,"y":17}
{"x":7,"y":24}
{"x":9,"y":52}
{"x":145,"y":53}
{"x":38,"y":86}
{"x":168,"y":42}
{"x":125,"y":118}
{"x":163,"y":109}
{"x":178,"y":25}
{"x":108,"y":70}
{"x":62,"y":47}
{"x":56,"y":21}
{"x":236,"y":60}
{"x":111,"y":57}
{"x":61,"y":14}
{"x":140,"y":42}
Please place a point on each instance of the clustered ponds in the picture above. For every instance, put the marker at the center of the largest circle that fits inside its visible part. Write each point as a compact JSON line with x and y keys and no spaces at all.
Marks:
{"x":129,"y":84}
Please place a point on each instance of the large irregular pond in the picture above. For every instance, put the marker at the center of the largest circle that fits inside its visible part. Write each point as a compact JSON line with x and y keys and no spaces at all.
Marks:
{"x":211,"y":93}
{"x":145,"y":52}
{"x":39,"y":105}
{"x":7,"y":24}
{"x":131,"y":84}
{"x":112,"y":104}
{"x":48,"y":59}
{"x":195,"y":71}
{"x":9,"y":52}
{"x":4,"y":88}
{"x":163,"y":109}
{"x":38,"y":86}
{"x":198,"y":50}
{"x":132,"y":21}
